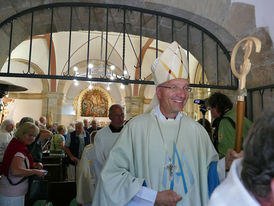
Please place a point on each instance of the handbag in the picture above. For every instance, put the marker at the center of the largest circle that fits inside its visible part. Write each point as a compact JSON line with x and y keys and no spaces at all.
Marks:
{"x":38,"y":188}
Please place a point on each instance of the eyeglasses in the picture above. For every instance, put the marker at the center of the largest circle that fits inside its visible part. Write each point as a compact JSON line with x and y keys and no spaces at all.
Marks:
{"x":175,"y":88}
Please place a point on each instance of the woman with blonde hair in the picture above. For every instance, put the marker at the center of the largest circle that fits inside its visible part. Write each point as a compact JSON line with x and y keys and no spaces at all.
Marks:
{"x":17,"y":165}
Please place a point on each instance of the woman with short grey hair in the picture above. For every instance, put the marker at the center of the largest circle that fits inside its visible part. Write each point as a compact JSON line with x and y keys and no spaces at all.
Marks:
{"x":6,"y":130}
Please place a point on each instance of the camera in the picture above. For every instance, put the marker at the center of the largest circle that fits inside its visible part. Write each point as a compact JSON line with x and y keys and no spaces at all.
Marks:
{"x":200,"y":101}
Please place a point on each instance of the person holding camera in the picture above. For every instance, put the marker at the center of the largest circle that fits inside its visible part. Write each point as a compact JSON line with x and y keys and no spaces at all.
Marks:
{"x":224,"y":115}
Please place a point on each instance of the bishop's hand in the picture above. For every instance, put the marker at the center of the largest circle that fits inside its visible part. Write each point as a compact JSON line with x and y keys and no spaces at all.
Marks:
{"x":167,"y":198}
{"x":231,"y":155}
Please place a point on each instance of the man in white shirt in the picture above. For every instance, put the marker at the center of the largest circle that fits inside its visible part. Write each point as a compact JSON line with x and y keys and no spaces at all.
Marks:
{"x":106,"y":137}
{"x":162,"y":157}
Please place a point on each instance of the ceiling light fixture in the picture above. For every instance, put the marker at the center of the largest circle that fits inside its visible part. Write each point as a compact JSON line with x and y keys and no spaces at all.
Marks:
{"x":112,"y":67}
{"x":90,"y":66}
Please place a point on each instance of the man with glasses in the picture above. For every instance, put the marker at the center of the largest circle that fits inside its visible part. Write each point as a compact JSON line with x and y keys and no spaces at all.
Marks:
{"x":162,"y":157}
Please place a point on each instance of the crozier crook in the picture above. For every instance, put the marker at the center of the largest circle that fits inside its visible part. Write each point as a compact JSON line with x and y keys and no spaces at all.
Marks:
{"x":244,"y":69}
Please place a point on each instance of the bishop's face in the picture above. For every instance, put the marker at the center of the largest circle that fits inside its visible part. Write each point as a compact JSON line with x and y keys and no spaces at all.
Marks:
{"x":173,"y":96}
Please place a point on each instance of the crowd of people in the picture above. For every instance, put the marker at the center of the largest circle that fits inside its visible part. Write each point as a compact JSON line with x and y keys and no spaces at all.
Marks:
{"x":22,"y":146}
{"x":161,"y":157}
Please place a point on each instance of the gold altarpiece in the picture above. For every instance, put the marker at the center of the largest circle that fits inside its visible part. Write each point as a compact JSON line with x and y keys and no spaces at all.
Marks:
{"x":93,"y":102}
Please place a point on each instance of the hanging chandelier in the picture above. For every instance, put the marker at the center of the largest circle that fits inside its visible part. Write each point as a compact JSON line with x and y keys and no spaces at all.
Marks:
{"x":97,"y":69}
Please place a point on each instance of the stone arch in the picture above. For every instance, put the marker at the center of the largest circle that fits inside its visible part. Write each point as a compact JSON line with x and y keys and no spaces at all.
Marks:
{"x":149,"y":20}
{"x":215,"y":16}
{"x":37,"y":69}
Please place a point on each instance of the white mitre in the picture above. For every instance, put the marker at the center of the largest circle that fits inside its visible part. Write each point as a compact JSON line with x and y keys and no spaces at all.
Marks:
{"x":172,"y":64}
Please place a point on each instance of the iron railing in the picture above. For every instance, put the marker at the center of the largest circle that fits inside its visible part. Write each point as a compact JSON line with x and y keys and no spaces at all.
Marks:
{"x":259,"y":94}
{"x":207,"y":49}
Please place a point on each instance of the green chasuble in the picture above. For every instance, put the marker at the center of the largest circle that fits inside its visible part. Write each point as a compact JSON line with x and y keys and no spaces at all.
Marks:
{"x":227,"y":133}
{"x":140,"y":155}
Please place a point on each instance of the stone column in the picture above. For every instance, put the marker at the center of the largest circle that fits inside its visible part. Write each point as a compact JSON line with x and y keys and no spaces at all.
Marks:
{"x":134,"y":106}
{"x":52,"y":106}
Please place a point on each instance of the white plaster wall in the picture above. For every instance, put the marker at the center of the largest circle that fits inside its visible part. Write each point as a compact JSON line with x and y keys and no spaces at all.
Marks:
{"x":39,"y":55}
{"x":67,"y":109}
{"x":24,"y":108}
